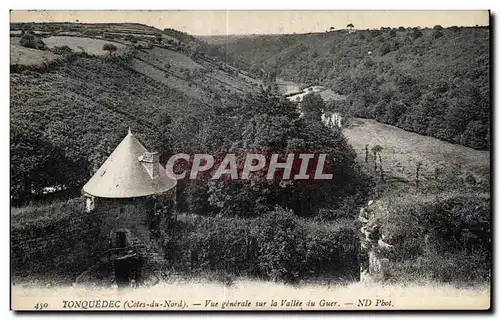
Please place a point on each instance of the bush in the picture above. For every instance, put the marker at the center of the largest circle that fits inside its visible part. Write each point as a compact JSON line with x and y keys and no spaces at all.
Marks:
{"x":277,"y":246}
{"x":325,"y":214}
{"x":445,"y":239}
{"x":437,"y":34}
{"x":62,"y":50}
{"x":218,"y":244}
{"x":416,"y":33}
{"x":386,"y":48}
{"x":29,"y":40}
{"x":109,"y":47}
{"x":40,"y":216}
{"x":59,"y":239}
{"x":331,"y":249}
{"x":281,"y":249}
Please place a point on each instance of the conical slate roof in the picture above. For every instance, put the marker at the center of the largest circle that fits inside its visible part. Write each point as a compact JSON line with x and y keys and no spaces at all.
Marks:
{"x":122,"y":175}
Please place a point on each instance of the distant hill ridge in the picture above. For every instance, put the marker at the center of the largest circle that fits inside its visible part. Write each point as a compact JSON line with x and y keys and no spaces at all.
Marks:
{"x":432,"y":81}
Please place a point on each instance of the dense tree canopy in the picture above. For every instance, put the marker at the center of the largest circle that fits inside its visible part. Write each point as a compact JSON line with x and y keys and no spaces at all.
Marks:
{"x":267,"y":124}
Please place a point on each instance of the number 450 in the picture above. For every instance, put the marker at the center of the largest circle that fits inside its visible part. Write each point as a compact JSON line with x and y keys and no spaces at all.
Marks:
{"x":41,"y":306}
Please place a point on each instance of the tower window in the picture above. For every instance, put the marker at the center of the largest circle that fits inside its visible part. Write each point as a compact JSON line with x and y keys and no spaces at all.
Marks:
{"x":121,"y":239}
{"x":89,"y":203}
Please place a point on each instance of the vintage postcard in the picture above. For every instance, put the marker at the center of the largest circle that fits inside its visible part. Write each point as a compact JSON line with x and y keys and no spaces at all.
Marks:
{"x":250,"y":160}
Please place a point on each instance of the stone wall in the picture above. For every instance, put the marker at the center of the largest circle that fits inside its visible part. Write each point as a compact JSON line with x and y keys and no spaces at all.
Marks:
{"x":133,"y":216}
{"x":374,"y":267}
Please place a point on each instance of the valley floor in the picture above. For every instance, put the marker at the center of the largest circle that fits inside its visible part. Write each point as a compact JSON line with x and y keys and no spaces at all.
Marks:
{"x":402,"y":150}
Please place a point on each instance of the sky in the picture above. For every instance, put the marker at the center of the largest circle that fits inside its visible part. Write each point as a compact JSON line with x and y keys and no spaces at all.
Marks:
{"x":262,"y":22}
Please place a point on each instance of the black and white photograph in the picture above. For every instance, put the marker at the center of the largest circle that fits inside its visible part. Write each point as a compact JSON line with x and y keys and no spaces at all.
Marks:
{"x":250,"y":160}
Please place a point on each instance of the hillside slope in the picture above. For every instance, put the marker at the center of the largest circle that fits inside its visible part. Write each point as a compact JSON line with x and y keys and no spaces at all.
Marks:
{"x":431,"y":81}
{"x":66,"y":117}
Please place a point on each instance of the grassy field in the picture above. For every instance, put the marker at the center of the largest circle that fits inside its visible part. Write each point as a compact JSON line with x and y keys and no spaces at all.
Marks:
{"x":135,"y":29}
{"x":81,"y":44}
{"x":406,"y":296}
{"x":159,"y":57}
{"x":402,"y":150}
{"x":28,"y":56}
{"x":151,"y":71}
{"x":197,"y":79}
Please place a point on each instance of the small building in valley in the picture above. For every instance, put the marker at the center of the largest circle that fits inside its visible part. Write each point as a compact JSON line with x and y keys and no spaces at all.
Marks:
{"x":332,"y":119}
{"x":131,"y":195}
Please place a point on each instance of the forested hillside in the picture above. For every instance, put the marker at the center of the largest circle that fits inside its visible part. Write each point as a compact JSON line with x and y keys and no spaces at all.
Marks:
{"x":430,"y":81}
{"x":65,"y":123}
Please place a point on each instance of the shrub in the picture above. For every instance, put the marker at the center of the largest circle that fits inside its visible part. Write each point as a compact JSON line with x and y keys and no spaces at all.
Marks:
{"x":40,"y":216}
{"x":437,"y":34}
{"x":59,"y":239}
{"x":386,"y":48}
{"x":29,"y":40}
{"x":91,"y":33}
{"x":109,"y":47}
{"x":416,"y":33}
{"x":62,"y":50}
{"x":325,"y":214}
{"x":219,"y":244}
{"x":281,"y":252}
{"x":444,"y":239}
{"x":331,"y":249}
{"x":347,"y":208}
{"x":277,"y":246}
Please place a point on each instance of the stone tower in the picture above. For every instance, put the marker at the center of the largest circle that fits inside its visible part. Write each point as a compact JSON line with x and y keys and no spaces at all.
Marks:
{"x":130,"y":194}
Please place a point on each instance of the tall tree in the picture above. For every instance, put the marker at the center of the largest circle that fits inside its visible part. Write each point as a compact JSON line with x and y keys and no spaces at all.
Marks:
{"x":312,"y":106}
